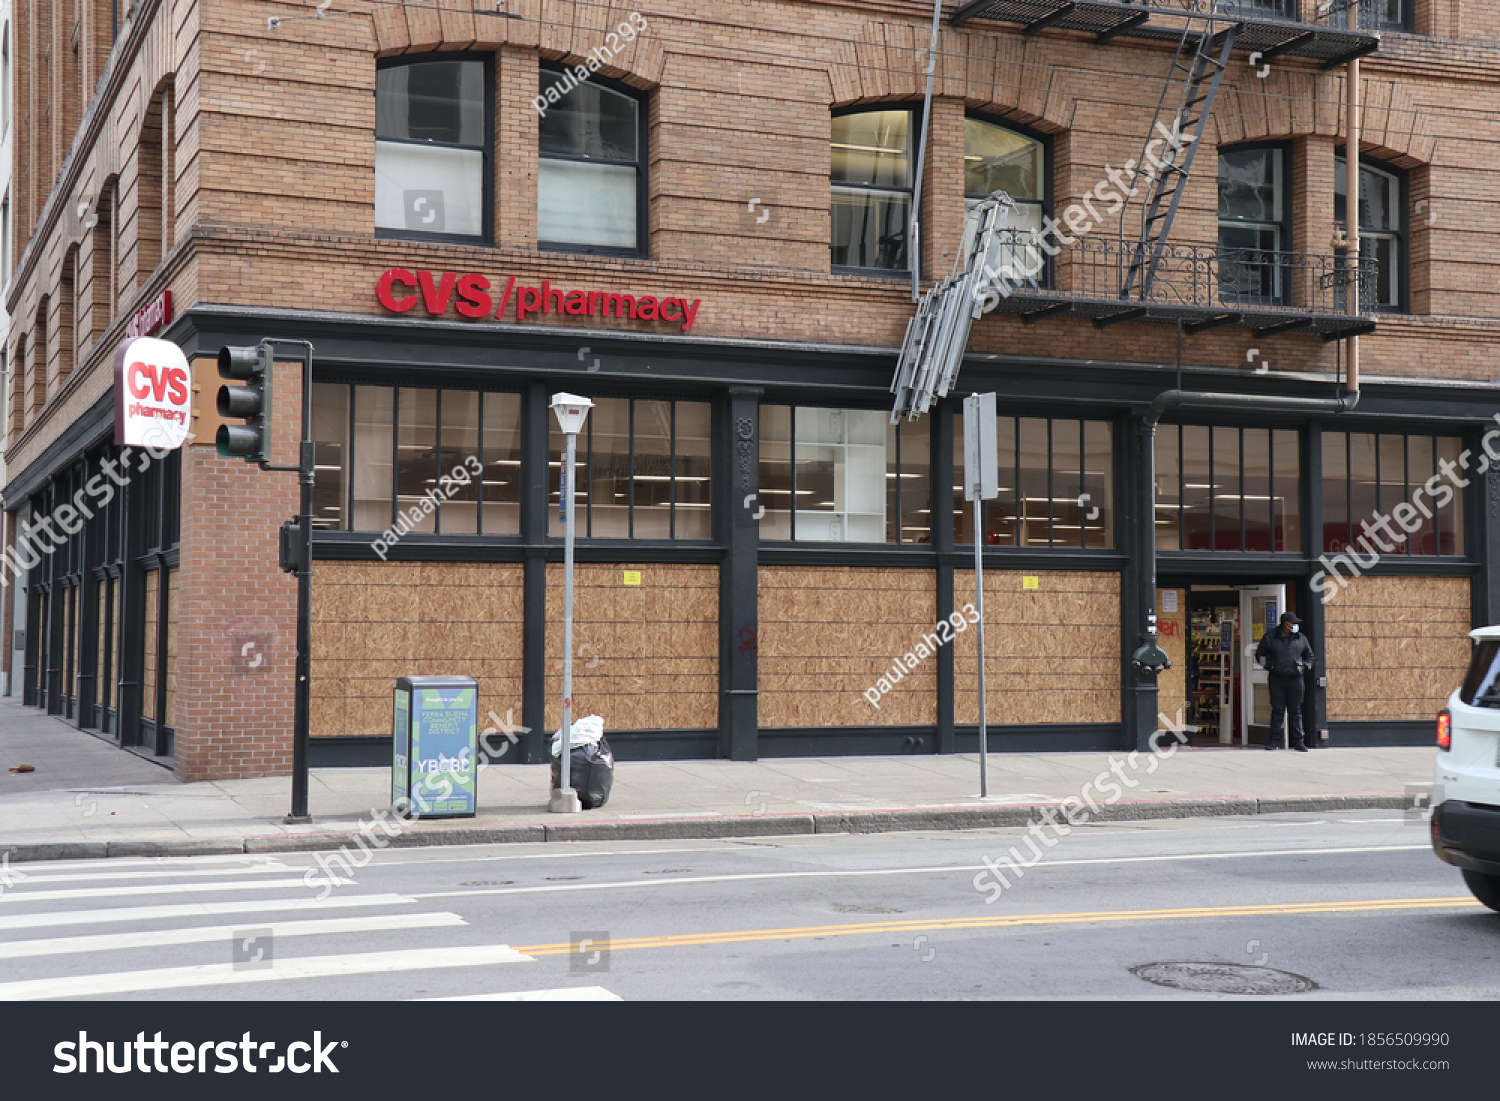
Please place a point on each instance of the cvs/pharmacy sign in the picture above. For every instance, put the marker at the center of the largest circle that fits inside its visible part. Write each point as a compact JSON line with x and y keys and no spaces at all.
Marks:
{"x":153,"y":394}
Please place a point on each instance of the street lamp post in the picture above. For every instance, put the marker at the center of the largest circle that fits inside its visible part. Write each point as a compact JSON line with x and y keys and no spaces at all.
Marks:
{"x":571,"y":412}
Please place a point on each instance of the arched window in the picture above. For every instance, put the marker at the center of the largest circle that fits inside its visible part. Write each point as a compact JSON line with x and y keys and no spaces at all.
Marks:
{"x":105,"y":260}
{"x":155,"y":188}
{"x":997,"y":158}
{"x":67,"y":315}
{"x":871,"y":170}
{"x":591,"y":178}
{"x":433,"y":141}
{"x":1382,"y":227}
{"x":5,"y":79}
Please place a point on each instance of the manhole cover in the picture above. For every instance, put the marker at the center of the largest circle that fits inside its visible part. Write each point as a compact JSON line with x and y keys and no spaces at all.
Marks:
{"x":1223,"y":978}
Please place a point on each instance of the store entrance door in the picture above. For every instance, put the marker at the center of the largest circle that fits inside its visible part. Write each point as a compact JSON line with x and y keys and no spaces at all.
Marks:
{"x":1260,"y":608}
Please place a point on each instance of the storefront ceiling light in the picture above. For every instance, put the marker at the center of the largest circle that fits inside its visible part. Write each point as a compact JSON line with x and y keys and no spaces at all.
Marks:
{"x":868,"y":149}
{"x":490,"y":483}
{"x":512,"y":462}
{"x":320,"y":466}
{"x":890,"y":475}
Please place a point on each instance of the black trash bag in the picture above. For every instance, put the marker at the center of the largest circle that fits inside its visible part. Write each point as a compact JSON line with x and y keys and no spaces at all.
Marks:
{"x":591,"y":771}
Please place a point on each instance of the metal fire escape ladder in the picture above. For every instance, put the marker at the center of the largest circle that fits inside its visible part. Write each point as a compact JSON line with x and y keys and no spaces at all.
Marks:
{"x":1200,"y":76}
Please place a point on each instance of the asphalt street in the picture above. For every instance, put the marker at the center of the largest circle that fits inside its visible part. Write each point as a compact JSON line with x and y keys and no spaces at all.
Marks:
{"x":1346,"y":906}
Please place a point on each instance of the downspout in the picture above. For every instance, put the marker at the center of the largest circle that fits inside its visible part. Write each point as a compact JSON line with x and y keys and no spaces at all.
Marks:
{"x":914,"y":250}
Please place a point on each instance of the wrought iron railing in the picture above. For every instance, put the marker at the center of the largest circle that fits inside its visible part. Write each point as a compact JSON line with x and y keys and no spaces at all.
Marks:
{"x":1206,"y":277}
{"x":1373,"y":15}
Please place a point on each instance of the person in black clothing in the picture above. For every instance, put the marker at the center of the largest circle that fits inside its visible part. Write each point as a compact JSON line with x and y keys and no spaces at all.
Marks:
{"x":1286,"y":654}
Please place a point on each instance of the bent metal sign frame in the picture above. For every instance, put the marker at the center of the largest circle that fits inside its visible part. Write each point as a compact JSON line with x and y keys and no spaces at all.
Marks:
{"x":153,"y":394}
{"x":475,"y":297}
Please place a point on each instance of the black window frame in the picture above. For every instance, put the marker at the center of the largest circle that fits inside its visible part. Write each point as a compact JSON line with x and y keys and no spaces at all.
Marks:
{"x":486,"y":237}
{"x":915,"y":129}
{"x":1048,"y":195}
{"x":642,"y":251}
{"x":901,"y":542}
{"x":1403,"y":490}
{"x":1403,"y":233}
{"x":1291,"y":548}
{"x":1285,"y":224}
{"x":583,"y":524}
{"x":346,"y":528}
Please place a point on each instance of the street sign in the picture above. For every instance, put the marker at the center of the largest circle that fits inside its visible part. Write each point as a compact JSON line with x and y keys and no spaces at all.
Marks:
{"x":981,"y":455}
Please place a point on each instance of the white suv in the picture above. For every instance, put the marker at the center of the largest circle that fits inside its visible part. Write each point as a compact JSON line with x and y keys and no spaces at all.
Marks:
{"x":1466,"y":786}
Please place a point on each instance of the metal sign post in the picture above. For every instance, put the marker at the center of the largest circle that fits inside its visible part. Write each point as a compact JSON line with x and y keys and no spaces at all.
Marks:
{"x":571,"y":412}
{"x":981,"y":483}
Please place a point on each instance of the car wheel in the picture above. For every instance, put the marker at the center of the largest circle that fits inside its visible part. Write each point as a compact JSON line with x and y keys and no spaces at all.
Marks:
{"x":1486,"y":888}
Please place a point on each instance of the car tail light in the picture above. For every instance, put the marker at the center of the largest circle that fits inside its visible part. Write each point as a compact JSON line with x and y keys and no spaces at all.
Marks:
{"x":1445,"y":729}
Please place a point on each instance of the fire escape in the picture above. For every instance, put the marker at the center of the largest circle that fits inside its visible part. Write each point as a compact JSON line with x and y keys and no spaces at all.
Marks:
{"x":1141,"y":274}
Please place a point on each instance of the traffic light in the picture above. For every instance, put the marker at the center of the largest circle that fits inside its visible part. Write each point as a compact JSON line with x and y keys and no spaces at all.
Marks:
{"x":250,"y":401}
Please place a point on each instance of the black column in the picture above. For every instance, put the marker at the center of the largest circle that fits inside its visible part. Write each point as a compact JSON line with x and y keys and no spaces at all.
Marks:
{"x":1137,"y":532}
{"x":739,"y":515}
{"x":943,"y":418}
{"x":1482,"y":522}
{"x":534,"y":593}
{"x":133,"y":508}
{"x":1310,"y":599}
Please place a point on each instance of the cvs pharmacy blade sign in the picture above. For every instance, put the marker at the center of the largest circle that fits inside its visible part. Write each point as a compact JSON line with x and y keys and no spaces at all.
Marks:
{"x":153,"y":394}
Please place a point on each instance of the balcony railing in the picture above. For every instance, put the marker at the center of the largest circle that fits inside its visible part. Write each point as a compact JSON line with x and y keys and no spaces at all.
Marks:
{"x":1204,"y":285}
{"x":1314,"y":29}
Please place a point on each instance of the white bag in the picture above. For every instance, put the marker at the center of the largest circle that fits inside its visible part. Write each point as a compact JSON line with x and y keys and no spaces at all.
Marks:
{"x":586,"y":731}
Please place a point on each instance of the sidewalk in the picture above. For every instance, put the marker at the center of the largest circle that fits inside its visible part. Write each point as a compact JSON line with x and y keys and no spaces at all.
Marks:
{"x":87,"y":799}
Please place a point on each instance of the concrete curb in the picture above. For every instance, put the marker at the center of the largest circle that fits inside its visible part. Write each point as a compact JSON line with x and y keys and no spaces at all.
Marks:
{"x":690,"y":829}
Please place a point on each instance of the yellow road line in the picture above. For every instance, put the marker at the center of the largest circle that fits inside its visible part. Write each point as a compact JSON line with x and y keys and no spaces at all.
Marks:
{"x":685,"y":940}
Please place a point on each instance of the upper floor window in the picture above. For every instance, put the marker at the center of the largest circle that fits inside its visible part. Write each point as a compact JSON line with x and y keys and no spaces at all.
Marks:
{"x":1382,"y":227}
{"x":591,"y":171}
{"x":871,"y":175}
{"x":5,"y":79}
{"x":1386,"y":15}
{"x":1253,"y":211}
{"x":1258,"y":9}
{"x":432,"y":149}
{"x":844,"y":476}
{"x":1000,"y":159}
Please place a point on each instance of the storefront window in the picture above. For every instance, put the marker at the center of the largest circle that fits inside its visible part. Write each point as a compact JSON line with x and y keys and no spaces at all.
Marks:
{"x":1392,"y":489}
{"x":458,"y":448}
{"x":432,"y":140}
{"x":1056,"y":485}
{"x":643,"y":471}
{"x":871,"y":174}
{"x":589,"y":174}
{"x":844,"y":476}
{"x":1227,"y":489}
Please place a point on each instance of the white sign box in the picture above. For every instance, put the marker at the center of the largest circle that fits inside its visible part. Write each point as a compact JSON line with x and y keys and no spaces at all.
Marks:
{"x":153,"y":394}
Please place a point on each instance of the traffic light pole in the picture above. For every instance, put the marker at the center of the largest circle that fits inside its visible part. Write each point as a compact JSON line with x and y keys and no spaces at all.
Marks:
{"x":302,"y":708}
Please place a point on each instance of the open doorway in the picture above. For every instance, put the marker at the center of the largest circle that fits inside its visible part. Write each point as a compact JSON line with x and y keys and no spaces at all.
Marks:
{"x":1215,"y":692}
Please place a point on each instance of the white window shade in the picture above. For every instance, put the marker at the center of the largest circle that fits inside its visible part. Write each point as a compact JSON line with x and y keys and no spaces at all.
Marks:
{"x":587,"y":204}
{"x":429,"y":189}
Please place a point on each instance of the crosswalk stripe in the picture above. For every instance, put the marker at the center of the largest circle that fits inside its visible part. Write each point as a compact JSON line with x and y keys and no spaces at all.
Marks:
{"x":561,"y":994}
{"x":221,"y":974}
{"x":20,"y":894}
{"x":109,"y":942}
{"x":34,"y":878}
{"x":195,"y":909}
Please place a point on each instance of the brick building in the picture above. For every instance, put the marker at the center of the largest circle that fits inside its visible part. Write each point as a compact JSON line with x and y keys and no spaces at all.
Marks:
{"x":710,"y":238}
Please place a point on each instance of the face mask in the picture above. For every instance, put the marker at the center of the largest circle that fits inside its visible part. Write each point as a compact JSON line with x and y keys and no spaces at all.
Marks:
{"x":1294,"y":627}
